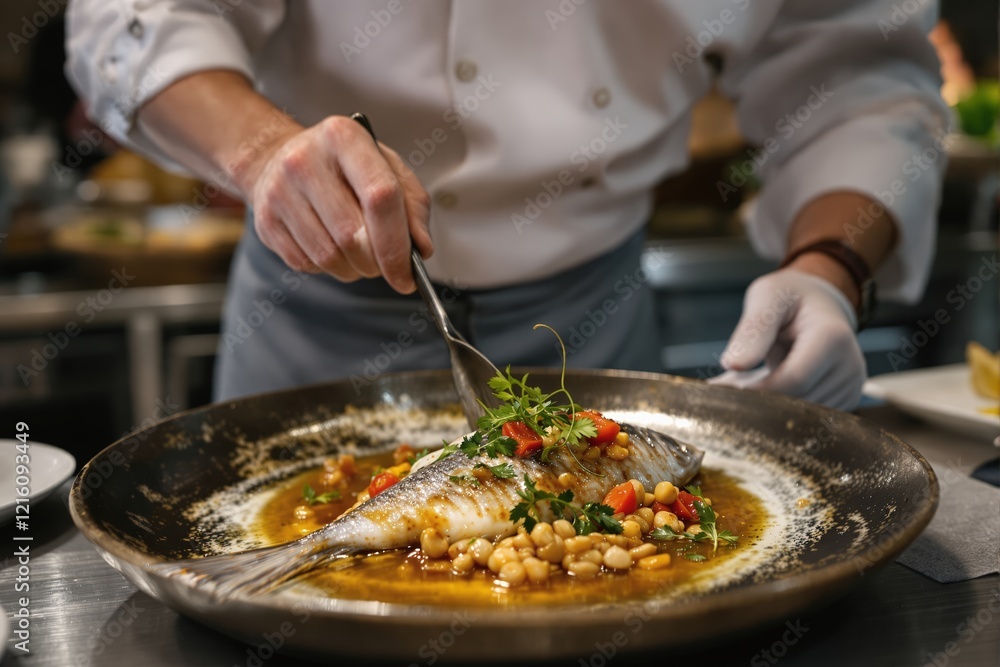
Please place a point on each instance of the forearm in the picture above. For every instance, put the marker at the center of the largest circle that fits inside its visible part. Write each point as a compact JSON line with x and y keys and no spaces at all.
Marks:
{"x":217,"y":125}
{"x":838,"y":216}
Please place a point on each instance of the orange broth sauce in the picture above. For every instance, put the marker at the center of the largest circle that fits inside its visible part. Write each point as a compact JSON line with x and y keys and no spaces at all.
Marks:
{"x":397,"y":576}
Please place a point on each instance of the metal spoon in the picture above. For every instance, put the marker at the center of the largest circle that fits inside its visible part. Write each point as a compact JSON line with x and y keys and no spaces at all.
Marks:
{"x":470,"y":368}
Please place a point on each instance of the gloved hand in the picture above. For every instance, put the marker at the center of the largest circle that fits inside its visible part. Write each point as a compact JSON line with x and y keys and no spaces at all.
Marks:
{"x":802,"y":328}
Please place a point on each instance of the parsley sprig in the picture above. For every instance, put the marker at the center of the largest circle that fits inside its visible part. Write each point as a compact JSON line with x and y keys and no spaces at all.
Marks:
{"x":586,"y":519}
{"x":540,"y":411}
{"x":309,"y":494}
{"x":709,"y":529}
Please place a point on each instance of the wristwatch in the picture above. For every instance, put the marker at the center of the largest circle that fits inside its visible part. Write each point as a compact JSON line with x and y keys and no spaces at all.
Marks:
{"x":856,"y":267}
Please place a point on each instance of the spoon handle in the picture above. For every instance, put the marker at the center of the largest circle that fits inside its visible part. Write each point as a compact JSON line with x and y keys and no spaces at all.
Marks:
{"x":420,"y":277}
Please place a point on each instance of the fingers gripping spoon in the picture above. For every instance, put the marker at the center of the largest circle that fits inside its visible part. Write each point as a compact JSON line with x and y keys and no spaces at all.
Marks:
{"x":469,"y":367}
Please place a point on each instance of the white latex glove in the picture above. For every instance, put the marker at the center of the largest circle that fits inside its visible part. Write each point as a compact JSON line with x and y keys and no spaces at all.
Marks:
{"x":802,"y":328}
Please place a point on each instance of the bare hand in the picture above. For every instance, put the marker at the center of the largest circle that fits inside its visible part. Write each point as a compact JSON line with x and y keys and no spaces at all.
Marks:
{"x":325,"y":199}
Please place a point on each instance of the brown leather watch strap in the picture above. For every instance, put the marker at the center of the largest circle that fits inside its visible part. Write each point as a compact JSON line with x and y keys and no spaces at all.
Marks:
{"x":840,"y":252}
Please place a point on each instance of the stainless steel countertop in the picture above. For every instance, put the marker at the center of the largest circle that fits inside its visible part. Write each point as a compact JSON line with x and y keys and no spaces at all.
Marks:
{"x":85,"y":613}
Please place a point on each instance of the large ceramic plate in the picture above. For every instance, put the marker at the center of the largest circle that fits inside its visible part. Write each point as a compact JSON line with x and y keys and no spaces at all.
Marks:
{"x":50,"y":467}
{"x":142,"y":501}
{"x":941,"y":396}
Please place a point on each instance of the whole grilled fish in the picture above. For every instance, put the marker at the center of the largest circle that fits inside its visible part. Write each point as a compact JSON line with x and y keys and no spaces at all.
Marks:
{"x":428,"y":498}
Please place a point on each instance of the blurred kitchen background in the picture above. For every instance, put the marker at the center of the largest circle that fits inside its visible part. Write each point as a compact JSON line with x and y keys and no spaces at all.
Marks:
{"x":74,"y":207}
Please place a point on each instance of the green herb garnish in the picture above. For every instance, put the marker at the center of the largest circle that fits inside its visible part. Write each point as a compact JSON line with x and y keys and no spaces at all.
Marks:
{"x":695,"y":557}
{"x":418,"y":455}
{"x":587,"y":519}
{"x":309,"y":494}
{"x":464,"y":479}
{"x":501,"y":470}
{"x":709,"y":530}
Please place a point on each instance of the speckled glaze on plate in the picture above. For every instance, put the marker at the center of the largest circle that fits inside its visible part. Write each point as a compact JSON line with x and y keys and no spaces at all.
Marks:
{"x":168,"y":492}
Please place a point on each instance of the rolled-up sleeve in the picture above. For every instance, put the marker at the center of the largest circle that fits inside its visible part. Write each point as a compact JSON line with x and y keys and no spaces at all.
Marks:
{"x":844,"y":96}
{"x":121,"y":53}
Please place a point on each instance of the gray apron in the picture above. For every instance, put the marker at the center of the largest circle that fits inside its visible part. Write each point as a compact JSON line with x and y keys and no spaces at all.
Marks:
{"x":282,"y":328}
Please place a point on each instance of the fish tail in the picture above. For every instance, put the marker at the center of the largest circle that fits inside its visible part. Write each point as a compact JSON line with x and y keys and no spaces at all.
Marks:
{"x":252,"y":572}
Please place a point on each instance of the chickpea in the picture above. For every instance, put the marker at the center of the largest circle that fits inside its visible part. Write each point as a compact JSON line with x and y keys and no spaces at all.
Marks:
{"x":501,"y":557}
{"x":456,"y":548}
{"x":665,"y":493}
{"x":564,"y":529}
{"x":464,"y":563}
{"x":616,"y":453}
{"x":433,"y":543}
{"x":640,"y":492}
{"x":643,"y":525}
{"x":480,"y":550}
{"x":646,"y":514}
{"x":332,"y":478}
{"x":523,"y":541}
{"x":591,"y":555}
{"x":543,"y":534}
{"x":617,"y":540}
{"x":513,"y":573}
{"x":694,"y":528}
{"x":617,"y":558}
{"x":631,"y":529}
{"x":707,"y":501}
{"x":506,"y":543}
{"x":584,"y":569}
{"x":662,"y":519}
{"x":677,"y":526}
{"x":634,"y":542}
{"x":551,"y":437}
{"x":657,"y":562}
{"x":567,"y":560}
{"x":592,"y":454}
{"x":648,"y":499}
{"x":596,"y":538}
{"x":537,"y":570}
{"x":642,"y":551}
{"x":578,"y":544}
{"x":622,"y":439}
{"x":303,"y":512}
{"x":566,"y":480}
{"x":554,"y":552}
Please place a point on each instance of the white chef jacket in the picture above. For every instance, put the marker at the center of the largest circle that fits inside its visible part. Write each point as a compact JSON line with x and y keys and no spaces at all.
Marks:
{"x":539,"y":127}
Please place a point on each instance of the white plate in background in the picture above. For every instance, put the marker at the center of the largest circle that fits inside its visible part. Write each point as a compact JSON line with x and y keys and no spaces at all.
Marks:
{"x":49,"y":466}
{"x":942,"y":395}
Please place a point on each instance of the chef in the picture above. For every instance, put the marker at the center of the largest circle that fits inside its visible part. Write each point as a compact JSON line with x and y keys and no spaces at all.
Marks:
{"x":520,"y":142}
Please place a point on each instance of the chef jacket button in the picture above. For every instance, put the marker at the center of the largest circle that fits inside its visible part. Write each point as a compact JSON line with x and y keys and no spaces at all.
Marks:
{"x":601,"y":97}
{"x":466,"y":70}
{"x":446,"y":200}
{"x":135,"y":28}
